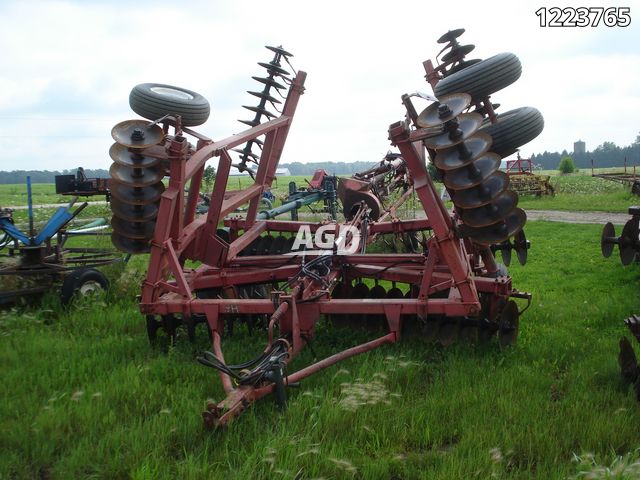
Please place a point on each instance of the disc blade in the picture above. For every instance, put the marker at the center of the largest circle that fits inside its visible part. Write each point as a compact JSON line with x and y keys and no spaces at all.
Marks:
{"x":506,"y":256}
{"x":521,"y":246}
{"x":136,"y":195}
{"x":134,"y":213}
{"x":472,"y":174}
{"x":468,"y":125}
{"x":450,"y":35}
{"x":509,"y":324}
{"x":266,"y":96}
{"x":123,"y":156}
{"x":136,"y":177}
{"x":134,"y":230}
{"x":378,"y":291}
{"x":395,"y":292}
{"x":137,"y":134}
{"x":463,"y":64}
{"x":453,"y":158}
{"x":432,"y":116}
{"x":498,"y":232}
{"x":272,"y":67}
{"x":279,"y":245}
{"x":261,"y":111}
{"x":483,"y":193}
{"x":469,"y":334}
{"x":607,"y":239}
{"x":279,"y":50}
{"x":457,"y":52}
{"x":269,"y":81}
{"x":492,"y":212}
{"x":448,"y":332}
{"x":628,"y":241}
{"x":360,"y":290}
{"x":129,"y":245}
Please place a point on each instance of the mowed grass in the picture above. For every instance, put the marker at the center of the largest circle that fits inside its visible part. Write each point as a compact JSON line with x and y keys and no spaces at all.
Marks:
{"x":85,"y":396}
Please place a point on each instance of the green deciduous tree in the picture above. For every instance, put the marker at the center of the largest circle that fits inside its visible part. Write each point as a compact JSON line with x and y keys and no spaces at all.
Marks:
{"x":566,"y":165}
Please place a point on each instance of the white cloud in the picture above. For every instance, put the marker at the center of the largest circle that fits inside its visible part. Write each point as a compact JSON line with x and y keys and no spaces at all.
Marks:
{"x":71,"y":65}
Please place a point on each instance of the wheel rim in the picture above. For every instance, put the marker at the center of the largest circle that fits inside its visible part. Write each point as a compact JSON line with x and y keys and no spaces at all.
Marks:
{"x":172,"y":93}
{"x":90,"y":287}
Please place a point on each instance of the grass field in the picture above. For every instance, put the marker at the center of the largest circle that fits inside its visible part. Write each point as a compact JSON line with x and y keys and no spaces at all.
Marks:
{"x":85,"y":396}
{"x":575,"y":192}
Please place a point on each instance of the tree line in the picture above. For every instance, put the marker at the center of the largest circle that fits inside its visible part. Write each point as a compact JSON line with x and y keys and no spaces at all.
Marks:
{"x":604,"y":156}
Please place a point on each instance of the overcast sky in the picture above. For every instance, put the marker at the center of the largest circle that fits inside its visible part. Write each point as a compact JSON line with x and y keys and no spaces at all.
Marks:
{"x":67,"y":67}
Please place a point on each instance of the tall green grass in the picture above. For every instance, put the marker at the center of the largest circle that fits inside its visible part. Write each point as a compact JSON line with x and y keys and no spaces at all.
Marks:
{"x":85,"y":396}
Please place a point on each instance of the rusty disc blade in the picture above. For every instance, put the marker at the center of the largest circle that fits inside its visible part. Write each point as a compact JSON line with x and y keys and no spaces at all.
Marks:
{"x":498,"y":232}
{"x":136,"y":195}
{"x":266,"y":244}
{"x":473,"y":174}
{"x":130,"y":245}
{"x":521,"y":246}
{"x":353,"y":200}
{"x":607,"y":239}
{"x":483,"y":193}
{"x":136,"y":230}
{"x":453,"y":158}
{"x":137,"y":134}
{"x":136,"y":177}
{"x":130,"y":158}
{"x":432,"y":116}
{"x":134,"y":213}
{"x":628,"y":241}
{"x":457,"y":52}
{"x":509,"y":324}
{"x":491,"y":212}
{"x":450,"y":35}
{"x":468,"y":125}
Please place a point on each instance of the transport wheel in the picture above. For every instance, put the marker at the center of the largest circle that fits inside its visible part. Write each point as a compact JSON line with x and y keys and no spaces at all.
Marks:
{"x":85,"y":281}
{"x":155,"y":100}
{"x":483,"y":78}
{"x":513,"y":129}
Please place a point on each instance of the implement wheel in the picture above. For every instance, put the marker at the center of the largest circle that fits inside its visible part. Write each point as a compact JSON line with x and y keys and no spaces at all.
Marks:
{"x":155,"y":100}
{"x":483,"y":78}
{"x":85,"y":281}
{"x":513,"y":129}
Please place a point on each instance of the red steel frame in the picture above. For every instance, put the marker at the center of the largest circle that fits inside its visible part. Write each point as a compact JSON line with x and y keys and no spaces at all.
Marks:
{"x":452,"y":264}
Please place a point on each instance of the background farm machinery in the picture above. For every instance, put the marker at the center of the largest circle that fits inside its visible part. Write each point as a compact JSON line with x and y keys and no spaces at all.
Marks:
{"x":626,"y":177}
{"x":524,"y":181}
{"x":629,"y":250}
{"x":292,"y":273}
{"x":36,"y":260}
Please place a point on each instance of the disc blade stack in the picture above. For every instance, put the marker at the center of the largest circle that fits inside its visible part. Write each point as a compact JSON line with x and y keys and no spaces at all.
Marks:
{"x":273,"y":84}
{"x":628,"y":242}
{"x":470,"y":172}
{"x":453,"y":54}
{"x":136,"y":185}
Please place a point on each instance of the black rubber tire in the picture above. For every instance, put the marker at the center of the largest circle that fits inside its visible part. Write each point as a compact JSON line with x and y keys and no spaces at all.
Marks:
{"x":514,"y":129}
{"x":155,"y":100}
{"x":483,"y":78}
{"x":77,"y":280}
